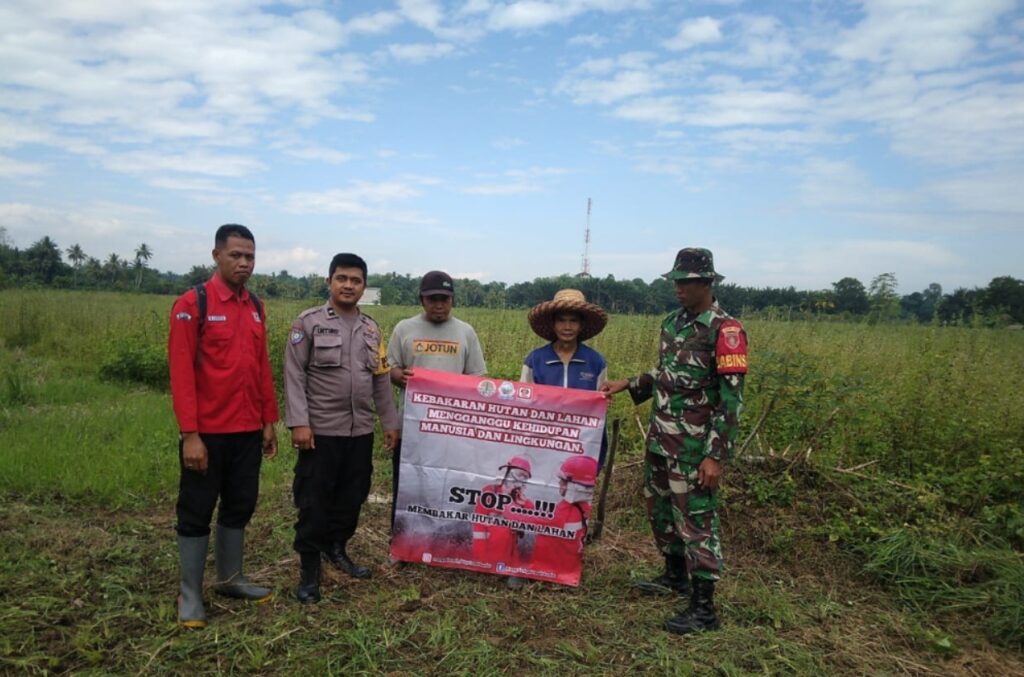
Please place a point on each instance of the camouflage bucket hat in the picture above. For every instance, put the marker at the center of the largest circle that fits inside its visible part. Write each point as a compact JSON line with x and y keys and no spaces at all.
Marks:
{"x":694,"y":263}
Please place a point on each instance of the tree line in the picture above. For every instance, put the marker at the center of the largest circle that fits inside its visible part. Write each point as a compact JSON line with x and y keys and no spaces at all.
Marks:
{"x":45,"y":264}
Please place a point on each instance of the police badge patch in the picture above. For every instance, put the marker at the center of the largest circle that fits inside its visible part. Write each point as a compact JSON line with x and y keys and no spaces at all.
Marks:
{"x":296,"y":336}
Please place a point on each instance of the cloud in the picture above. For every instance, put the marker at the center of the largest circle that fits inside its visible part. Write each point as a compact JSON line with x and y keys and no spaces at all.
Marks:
{"x":134,"y":77}
{"x":104,"y":227}
{"x":533,"y":14}
{"x":473,"y":275}
{"x":424,"y":13}
{"x":919,"y":36}
{"x":12,"y":168}
{"x":192,"y":162}
{"x":298,"y":257}
{"x":693,"y":32}
{"x":984,"y":192}
{"x":329,"y":155}
{"x":507,"y":142}
{"x":606,"y":81}
{"x":372,"y":202}
{"x":587,"y":40}
{"x":517,"y":182}
{"x":420,"y":52}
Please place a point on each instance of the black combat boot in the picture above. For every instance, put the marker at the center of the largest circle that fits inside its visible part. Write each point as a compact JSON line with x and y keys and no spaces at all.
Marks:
{"x":674,"y":581}
{"x":700,"y":616}
{"x":339,"y":558}
{"x":308,"y":590}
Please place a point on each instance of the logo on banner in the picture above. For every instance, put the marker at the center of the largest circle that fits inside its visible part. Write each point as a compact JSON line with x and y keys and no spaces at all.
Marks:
{"x":506,"y":391}
{"x":525,"y":392}
{"x":486,"y":388}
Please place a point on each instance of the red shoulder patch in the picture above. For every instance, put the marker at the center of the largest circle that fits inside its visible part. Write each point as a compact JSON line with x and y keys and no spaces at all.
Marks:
{"x":731,"y":348}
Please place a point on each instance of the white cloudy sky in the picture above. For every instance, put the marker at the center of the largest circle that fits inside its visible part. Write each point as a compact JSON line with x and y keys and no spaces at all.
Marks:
{"x":801,"y":141}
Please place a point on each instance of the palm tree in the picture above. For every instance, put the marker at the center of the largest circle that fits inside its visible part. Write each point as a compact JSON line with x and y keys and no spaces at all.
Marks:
{"x":113,"y":266}
{"x":142,"y":254}
{"x":76,"y":256}
{"x":93,"y":271}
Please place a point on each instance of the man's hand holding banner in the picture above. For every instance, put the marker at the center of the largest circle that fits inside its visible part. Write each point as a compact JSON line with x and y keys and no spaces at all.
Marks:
{"x":497,"y":476}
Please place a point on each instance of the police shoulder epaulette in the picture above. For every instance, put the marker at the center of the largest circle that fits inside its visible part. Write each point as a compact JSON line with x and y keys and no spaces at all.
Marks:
{"x":309,"y":311}
{"x":370,"y":318}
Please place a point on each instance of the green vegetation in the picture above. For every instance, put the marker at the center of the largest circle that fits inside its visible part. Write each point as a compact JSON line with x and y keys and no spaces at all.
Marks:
{"x":874,"y":524}
{"x":1000,"y":303}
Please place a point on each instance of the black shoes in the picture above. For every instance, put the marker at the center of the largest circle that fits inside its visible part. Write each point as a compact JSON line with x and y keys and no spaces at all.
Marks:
{"x":675,"y":580}
{"x":339,"y":558}
{"x":308,"y":590}
{"x":700,"y":616}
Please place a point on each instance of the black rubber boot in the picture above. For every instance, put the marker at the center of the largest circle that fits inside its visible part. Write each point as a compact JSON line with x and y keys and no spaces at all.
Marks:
{"x":700,"y":616}
{"x":308,"y":590}
{"x":231,"y":582}
{"x":339,"y":558}
{"x":674,"y":581}
{"x":192,"y":555}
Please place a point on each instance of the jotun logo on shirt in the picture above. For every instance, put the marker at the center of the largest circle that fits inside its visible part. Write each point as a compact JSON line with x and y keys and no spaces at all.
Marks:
{"x":429,"y":347}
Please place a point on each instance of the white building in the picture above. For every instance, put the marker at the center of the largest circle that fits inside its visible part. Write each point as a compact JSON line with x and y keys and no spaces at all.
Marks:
{"x":371,"y":297}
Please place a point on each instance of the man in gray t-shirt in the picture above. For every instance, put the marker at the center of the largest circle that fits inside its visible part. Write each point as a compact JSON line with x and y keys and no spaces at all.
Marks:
{"x":431,"y":340}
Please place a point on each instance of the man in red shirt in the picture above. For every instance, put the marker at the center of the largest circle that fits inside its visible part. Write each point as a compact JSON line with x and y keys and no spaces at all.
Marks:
{"x":225,"y":404}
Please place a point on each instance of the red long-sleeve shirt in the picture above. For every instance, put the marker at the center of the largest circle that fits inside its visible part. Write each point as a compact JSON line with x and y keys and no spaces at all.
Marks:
{"x":220,"y":381}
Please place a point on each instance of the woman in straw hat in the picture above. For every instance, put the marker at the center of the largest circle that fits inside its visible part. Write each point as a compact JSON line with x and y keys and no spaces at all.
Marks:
{"x":567,"y":321}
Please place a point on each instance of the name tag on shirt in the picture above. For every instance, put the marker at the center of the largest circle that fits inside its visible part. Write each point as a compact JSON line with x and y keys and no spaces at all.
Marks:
{"x":216,"y":318}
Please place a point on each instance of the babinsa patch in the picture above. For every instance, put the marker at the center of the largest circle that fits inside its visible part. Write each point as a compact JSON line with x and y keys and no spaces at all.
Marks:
{"x":731,"y":348}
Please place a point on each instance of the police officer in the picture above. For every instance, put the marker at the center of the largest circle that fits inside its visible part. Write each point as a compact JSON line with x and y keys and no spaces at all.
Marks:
{"x":698,"y":393}
{"x":224,"y":402}
{"x":336,"y":376}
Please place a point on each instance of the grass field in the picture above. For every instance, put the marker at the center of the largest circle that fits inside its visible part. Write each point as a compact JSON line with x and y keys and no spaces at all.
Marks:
{"x":874,"y":523}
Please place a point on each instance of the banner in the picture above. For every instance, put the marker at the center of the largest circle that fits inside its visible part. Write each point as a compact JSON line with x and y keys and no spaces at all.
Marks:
{"x":497,"y":476}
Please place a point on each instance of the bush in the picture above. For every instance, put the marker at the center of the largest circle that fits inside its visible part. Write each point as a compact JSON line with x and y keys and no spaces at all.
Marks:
{"x":953,"y":571}
{"x":139,"y":356}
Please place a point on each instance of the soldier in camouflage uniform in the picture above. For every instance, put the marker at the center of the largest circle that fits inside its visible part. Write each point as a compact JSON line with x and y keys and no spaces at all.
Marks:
{"x":698,"y":394}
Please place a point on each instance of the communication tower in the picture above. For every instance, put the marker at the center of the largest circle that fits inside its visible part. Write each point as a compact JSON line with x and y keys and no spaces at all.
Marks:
{"x":586,"y":246}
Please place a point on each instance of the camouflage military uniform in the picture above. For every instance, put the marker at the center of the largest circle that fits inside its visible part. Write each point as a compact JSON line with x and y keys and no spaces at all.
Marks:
{"x":698,"y":394}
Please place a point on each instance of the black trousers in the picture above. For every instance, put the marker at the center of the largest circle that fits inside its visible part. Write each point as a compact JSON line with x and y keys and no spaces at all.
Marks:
{"x":331,"y":484}
{"x":232,"y":475}
{"x":396,"y":463}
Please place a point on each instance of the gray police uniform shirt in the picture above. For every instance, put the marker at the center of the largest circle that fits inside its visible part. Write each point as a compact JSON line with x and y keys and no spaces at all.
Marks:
{"x":336,"y":374}
{"x":450,"y":346}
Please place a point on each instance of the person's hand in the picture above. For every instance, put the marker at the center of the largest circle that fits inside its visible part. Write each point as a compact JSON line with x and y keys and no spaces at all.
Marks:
{"x":610,"y":388}
{"x":709,"y":474}
{"x":193,"y":453}
{"x":302,"y":438}
{"x":269,"y":441}
{"x":400,"y":377}
{"x":390,"y":439}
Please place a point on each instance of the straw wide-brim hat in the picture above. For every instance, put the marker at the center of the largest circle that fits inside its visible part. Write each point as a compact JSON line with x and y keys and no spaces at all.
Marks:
{"x":542,"y":315}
